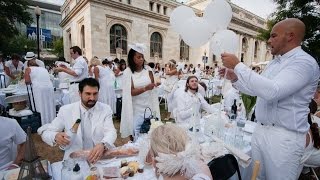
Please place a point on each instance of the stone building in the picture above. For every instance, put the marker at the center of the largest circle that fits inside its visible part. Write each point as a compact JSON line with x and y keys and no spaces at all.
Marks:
{"x":106,"y":27}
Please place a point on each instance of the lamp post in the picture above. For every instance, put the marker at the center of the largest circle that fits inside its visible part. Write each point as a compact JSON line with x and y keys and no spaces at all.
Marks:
{"x":37,"y":11}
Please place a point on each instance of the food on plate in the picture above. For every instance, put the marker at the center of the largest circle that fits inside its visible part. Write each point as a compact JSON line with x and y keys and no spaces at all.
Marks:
{"x":92,"y":177}
{"x":111,"y":172}
{"x":134,"y":165}
{"x":129,"y":170}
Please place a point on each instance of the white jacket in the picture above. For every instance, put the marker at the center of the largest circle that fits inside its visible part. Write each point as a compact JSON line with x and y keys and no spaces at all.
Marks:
{"x":102,"y":126}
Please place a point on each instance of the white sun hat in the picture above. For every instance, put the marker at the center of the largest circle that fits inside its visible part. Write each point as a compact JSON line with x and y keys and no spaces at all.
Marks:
{"x":139,"y":47}
{"x":29,"y":56}
{"x":16,"y":98}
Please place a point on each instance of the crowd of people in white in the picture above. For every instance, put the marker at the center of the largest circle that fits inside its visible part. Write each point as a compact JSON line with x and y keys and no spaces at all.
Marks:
{"x":283,"y":141}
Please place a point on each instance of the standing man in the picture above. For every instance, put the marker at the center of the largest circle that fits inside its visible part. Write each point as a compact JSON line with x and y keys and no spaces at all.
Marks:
{"x":96,"y":131}
{"x":77,"y":72}
{"x":284,"y":91}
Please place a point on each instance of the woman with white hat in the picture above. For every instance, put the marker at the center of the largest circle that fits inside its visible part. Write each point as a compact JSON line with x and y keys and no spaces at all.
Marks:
{"x":42,"y":90}
{"x":30,"y":56}
{"x":138,"y":92}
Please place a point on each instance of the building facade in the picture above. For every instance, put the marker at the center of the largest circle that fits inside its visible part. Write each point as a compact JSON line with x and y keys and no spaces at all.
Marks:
{"x":49,"y":20}
{"x":106,"y":27}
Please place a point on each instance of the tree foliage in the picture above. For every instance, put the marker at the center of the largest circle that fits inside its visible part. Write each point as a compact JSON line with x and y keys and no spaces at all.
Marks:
{"x":19,"y":44}
{"x":58,"y":47}
{"x":307,"y":11}
{"x":12,"y":12}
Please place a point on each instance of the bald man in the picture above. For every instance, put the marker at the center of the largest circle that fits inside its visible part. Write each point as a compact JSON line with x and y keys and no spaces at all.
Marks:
{"x":284,"y":90}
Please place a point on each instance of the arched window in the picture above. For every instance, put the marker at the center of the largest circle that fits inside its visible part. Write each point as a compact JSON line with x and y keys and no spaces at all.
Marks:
{"x":82,"y":36}
{"x":156,"y":44}
{"x":184,"y":50}
{"x":118,"y":38}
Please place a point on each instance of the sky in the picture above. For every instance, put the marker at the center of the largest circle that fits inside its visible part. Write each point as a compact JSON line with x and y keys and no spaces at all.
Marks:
{"x":262,"y":8}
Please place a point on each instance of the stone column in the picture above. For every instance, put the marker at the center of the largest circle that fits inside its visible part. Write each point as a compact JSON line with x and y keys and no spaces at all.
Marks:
{"x":161,"y":9}
{"x":154,"y":7}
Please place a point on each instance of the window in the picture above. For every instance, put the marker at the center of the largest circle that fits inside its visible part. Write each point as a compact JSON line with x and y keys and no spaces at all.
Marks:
{"x":214,"y":58}
{"x":70,"y":40}
{"x":256,"y":49}
{"x":129,"y":1}
{"x":156,"y":44}
{"x":158,"y":8}
{"x":151,"y":6}
{"x":118,"y":38}
{"x":82,"y":37}
{"x":165,"y":10}
{"x":184,"y":50}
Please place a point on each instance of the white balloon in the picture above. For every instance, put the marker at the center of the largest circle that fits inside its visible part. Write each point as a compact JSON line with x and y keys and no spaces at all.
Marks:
{"x":179,"y":15}
{"x":195,"y":32}
{"x":224,"y":41}
{"x":218,"y":14}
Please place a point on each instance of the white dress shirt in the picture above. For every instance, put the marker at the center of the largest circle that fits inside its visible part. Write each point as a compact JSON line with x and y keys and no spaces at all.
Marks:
{"x":284,"y":89}
{"x":80,"y":67}
{"x":189,"y":105}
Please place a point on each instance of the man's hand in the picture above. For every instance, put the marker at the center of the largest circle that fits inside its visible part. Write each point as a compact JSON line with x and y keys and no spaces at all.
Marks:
{"x":230,"y":74}
{"x":62,"y":139}
{"x":229,"y":60}
{"x":96,"y":153}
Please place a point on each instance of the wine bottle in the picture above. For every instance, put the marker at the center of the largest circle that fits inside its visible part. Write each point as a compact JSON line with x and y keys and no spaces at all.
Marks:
{"x":234,"y":109}
{"x":72,"y":132}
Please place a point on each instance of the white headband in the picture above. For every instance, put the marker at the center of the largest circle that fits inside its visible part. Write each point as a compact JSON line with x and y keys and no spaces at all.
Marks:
{"x":184,"y":162}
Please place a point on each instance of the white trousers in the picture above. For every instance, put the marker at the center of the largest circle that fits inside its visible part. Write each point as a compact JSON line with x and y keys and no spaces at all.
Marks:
{"x":279,"y":152}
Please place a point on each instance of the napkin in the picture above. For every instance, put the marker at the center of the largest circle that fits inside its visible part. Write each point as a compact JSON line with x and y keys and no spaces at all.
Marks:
{"x":243,"y":159}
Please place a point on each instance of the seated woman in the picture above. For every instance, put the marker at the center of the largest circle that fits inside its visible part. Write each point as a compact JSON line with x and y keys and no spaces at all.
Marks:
{"x":173,"y":155}
{"x":311,"y":156}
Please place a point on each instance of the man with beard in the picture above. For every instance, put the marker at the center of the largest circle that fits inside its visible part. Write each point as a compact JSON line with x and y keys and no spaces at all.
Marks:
{"x":189,"y":103}
{"x":96,"y":132}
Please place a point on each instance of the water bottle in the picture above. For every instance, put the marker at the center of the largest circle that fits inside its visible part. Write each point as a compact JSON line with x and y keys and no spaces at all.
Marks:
{"x":66,"y":170}
{"x":72,"y":132}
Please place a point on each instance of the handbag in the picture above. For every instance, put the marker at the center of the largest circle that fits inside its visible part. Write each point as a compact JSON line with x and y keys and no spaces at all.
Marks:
{"x":145,"y":127}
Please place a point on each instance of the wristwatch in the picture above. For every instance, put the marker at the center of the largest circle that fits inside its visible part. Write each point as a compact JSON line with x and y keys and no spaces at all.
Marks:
{"x":106,"y":146}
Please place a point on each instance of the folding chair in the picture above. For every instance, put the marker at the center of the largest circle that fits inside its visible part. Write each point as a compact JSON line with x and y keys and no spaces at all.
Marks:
{"x":256,"y":168}
{"x":222,"y":168}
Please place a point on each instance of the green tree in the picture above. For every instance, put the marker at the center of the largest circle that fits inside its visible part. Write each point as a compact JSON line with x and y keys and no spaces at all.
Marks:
{"x":58,"y":47}
{"x":307,"y":11}
{"x":19,"y":44}
{"x":12,"y":12}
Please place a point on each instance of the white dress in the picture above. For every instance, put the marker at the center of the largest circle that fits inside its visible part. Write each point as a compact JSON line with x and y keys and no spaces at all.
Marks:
{"x":106,"y":93}
{"x":43,"y":94}
{"x":170,"y":86}
{"x":141,"y":101}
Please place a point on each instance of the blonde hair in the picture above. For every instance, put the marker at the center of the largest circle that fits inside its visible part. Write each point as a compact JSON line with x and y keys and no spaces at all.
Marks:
{"x":168,"y":139}
{"x":95,"y":61}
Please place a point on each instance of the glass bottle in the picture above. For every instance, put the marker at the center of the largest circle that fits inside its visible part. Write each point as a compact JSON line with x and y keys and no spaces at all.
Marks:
{"x":234,"y":109}
{"x":72,"y":134}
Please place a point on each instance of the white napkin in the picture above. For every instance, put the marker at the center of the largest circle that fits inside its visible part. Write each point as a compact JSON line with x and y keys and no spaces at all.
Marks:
{"x":245,"y":159}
